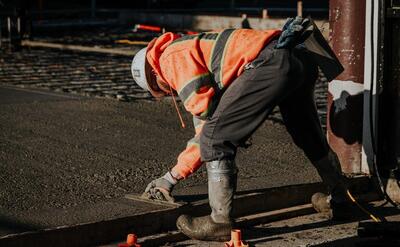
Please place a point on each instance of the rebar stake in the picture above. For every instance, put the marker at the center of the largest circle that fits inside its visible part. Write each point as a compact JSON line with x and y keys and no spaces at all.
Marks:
{"x":236,"y":239}
{"x":131,"y":241}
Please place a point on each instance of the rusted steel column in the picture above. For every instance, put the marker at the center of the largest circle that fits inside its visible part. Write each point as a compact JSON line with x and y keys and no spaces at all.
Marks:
{"x":300,"y":8}
{"x":345,"y":97}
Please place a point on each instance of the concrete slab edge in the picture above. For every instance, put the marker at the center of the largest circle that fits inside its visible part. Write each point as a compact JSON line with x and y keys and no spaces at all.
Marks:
{"x":78,"y":48}
{"x":96,"y":233}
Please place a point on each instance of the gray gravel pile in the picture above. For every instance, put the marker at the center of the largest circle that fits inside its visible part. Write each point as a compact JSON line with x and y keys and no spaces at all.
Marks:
{"x":95,"y":75}
{"x":78,"y":73}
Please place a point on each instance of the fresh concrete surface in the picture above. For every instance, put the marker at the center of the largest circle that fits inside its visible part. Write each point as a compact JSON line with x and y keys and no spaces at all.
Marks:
{"x":62,"y":154}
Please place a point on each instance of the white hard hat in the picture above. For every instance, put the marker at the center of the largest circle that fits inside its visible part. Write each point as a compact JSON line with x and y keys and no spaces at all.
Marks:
{"x":138,"y":69}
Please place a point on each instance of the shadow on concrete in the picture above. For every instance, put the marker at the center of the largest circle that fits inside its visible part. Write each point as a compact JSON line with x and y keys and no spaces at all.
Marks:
{"x":352,"y":241}
{"x":198,"y":197}
{"x":345,"y":118}
{"x":191,"y":198}
{"x":266,"y":233}
{"x":263,"y":234}
{"x":9,"y":225}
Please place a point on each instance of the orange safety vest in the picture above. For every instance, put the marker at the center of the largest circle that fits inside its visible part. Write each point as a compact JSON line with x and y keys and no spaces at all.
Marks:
{"x":200,"y":67}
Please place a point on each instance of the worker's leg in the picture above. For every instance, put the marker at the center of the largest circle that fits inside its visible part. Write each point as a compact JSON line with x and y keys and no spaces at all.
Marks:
{"x":241,"y":110}
{"x":247,"y":102}
{"x":221,"y":188}
{"x":301,"y":119}
{"x":244,"y":107}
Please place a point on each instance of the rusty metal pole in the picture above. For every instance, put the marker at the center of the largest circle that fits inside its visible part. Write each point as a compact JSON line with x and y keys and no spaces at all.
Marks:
{"x":264,"y":14}
{"x":300,"y":8}
{"x":345,"y":93}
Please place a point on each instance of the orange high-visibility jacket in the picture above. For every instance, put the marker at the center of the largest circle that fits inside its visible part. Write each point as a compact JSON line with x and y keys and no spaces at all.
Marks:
{"x":199,"y":67}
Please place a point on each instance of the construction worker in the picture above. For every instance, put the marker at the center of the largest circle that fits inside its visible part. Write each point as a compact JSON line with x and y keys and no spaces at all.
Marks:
{"x":245,"y":22}
{"x":230,"y":81}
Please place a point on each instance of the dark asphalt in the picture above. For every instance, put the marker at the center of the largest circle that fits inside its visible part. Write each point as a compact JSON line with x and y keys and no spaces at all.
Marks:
{"x":64,"y":159}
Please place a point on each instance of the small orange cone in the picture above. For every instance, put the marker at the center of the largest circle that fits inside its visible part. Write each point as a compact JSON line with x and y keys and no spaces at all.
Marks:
{"x":131,"y":241}
{"x":236,"y":239}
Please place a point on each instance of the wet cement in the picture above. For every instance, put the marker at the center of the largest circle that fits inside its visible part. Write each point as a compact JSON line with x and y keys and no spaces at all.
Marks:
{"x":70,"y":154}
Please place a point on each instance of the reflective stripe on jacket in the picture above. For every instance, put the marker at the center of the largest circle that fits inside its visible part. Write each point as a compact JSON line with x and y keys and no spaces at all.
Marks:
{"x":199,"y":67}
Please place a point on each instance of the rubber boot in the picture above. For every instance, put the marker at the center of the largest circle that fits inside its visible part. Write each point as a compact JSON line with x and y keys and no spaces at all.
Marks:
{"x":337,"y":204}
{"x":338,"y":211}
{"x":222,"y":176}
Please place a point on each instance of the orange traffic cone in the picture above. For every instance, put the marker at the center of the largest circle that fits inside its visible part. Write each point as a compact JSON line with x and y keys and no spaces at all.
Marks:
{"x":236,"y":239}
{"x":131,"y":241}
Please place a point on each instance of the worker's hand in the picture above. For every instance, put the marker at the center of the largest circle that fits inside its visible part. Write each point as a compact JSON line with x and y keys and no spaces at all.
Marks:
{"x":292,"y":33}
{"x":161,"y":188}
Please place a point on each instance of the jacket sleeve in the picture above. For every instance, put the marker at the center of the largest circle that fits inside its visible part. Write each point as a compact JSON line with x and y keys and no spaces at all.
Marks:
{"x":184,"y":70}
{"x":189,"y":160}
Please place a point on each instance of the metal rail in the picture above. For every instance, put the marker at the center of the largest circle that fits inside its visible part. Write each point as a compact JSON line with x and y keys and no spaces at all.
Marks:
{"x":80,"y":48}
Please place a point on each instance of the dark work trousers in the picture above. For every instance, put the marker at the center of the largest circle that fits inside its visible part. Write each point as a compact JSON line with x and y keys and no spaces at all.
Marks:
{"x":277,"y":77}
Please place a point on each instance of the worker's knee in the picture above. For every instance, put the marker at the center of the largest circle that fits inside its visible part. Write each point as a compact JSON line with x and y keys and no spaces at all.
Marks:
{"x":215,"y":147}
{"x":207,"y":144}
{"x":221,"y":167}
{"x":205,"y":151}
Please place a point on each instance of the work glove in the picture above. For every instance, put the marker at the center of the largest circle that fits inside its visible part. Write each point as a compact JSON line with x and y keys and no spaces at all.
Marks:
{"x":293,"y":33}
{"x":161,"y":188}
